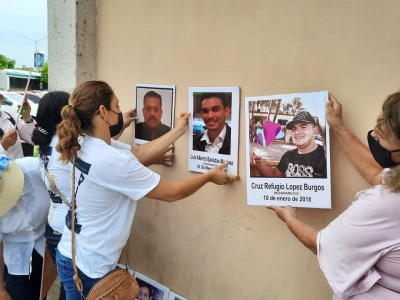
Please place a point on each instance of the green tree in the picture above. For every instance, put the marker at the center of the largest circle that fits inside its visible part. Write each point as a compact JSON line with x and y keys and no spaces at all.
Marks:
{"x":292,"y":107}
{"x":45,"y":73}
{"x":6,"y":63}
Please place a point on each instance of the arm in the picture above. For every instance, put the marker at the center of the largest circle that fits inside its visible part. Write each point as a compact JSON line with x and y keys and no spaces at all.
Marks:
{"x":170,"y":192}
{"x":146,"y":153}
{"x":357,"y":152}
{"x":3,"y":293}
{"x":304,"y":233}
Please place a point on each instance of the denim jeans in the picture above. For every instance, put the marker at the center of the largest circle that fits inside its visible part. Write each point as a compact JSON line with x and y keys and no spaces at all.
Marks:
{"x":25,"y":287}
{"x":65,"y":273}
{"x":52,"y":239}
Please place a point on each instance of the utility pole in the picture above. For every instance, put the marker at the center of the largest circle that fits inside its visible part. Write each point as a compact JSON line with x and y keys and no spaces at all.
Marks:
{"x":36,"y":51}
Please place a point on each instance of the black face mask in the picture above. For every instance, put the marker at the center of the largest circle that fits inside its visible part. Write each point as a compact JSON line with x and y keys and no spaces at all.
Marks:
{"x":115,"y":129}
{"x":382,"y":156}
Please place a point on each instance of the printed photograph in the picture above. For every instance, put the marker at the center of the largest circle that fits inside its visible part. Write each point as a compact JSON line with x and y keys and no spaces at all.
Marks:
{"x":287,"y":137}
{"x":212,"y":122}
{"x":213,"y":128}
{"x":150,"y":289}
{"x":154,"y":110}
{"x":287,"y":150}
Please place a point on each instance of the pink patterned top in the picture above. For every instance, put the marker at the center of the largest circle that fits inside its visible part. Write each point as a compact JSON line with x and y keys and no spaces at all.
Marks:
{"x":24,"y":132}
{"x":359,"y":252}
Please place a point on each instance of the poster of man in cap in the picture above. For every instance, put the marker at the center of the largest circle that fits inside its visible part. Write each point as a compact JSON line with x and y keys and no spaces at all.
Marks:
{"x":287,"y":146}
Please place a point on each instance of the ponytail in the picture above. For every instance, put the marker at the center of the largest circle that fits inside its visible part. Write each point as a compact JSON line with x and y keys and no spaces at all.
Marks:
{"x":84,"y":104}
{"x":68,"y":132}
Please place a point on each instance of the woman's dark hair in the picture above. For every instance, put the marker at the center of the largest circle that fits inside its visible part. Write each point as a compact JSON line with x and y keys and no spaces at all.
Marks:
{"x":48,"y":117}
{"x":84,"y":104}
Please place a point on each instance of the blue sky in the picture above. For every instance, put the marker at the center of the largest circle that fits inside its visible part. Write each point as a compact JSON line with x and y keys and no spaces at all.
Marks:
{"x":23,"y":17}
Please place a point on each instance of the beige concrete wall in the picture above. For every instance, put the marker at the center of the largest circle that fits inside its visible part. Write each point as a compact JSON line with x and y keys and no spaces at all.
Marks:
{"x":211,"y":245}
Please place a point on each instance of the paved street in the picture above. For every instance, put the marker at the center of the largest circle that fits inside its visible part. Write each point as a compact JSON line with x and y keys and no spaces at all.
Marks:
{"x":270,"y":155}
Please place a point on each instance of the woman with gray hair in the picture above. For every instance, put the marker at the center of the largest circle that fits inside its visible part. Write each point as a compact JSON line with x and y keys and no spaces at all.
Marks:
{"x":359,"y":251}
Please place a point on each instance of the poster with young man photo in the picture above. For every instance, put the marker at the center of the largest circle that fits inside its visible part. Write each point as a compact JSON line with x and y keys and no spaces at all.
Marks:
{"x":213,"y":128}
{"x":150,"y":289}
{"x":287,"y":150}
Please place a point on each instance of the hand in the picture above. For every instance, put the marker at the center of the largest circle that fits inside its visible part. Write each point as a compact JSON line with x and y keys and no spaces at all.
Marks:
{"x":9,"y":139}
{"x":164,"y":158}
{"x":284,"y":213}
{"x":334,"y":113}
{"x":182,"y":120}
{"x":129,"y":117}
{"x":220,"y":177}
{"x":26,"y":109}
{"x":255,"y":160}
{"x":3,"y":294}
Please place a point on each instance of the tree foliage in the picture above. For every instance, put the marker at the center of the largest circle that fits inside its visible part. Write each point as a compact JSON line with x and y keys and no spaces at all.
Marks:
{"x":6,"y":63}
{"x":292,"y":107}
{"x":45,"y":73}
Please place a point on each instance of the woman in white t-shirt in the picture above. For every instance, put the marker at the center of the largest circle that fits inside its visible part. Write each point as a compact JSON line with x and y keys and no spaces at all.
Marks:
{"x":44,"y":135}
{"x":108,"y":182}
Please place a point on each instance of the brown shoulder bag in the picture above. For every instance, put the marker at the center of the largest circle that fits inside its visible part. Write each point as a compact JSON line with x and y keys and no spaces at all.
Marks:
{"x":116,"y":284}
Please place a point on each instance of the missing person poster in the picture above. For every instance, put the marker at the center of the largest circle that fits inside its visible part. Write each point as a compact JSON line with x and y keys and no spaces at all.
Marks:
{"x":213,"y":128}
{"x":155,"y":112}
{"x":287,"y":150}
{"x":150,"y":289}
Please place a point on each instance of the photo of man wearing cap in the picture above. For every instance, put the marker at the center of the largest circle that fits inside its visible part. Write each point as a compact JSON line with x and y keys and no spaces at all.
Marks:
{"x":307,"y":160}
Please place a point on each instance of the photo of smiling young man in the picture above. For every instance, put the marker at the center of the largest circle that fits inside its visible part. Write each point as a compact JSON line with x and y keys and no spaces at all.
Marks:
{"x":216,"y":138}
{"x":288,"y":150}
{"x":307,"y":160}
{"x":214,"y":125}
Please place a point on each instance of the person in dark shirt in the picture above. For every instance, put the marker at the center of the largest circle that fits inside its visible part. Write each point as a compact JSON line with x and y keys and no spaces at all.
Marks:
{"x":307,"y":160}
{"x":152,"y":127}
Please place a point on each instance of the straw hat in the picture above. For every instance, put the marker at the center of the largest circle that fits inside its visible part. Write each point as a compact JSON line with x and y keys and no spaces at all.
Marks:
{"x":11,"y":186}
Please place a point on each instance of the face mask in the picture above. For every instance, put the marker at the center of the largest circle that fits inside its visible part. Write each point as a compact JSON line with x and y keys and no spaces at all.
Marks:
{"x":381,"y":155}
{"x":115,"y":129}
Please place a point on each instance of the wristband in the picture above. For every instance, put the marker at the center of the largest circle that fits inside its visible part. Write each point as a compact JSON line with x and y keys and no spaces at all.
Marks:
{"x":28,"y":120}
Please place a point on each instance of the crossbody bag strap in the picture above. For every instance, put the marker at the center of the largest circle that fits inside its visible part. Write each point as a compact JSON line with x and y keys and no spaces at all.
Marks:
{"x":76,"y":278}
{"x":127,"y":255}
{"x":54,"y":186}
{"x":11,"y":119}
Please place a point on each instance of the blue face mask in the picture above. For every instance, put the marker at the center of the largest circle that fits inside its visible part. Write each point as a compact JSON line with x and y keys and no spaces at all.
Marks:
{"x":382,"y":156}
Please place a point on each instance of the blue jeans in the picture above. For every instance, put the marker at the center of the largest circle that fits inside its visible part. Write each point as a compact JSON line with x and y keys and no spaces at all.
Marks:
{"x":65,"y":273}
{"x":52,"y":239}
